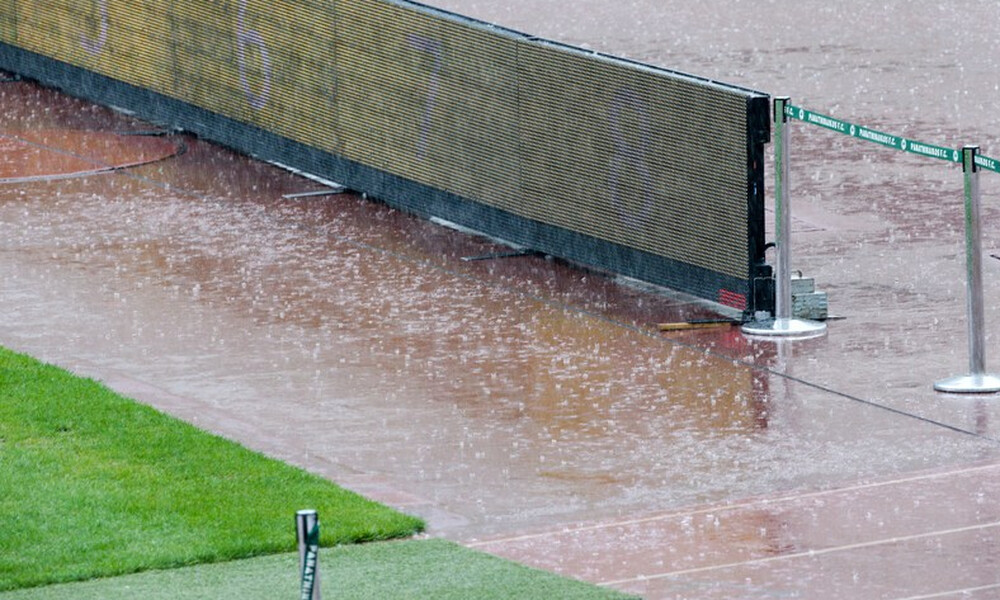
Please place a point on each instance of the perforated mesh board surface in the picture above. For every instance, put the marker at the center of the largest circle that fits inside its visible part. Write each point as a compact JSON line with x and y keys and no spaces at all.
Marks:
{"x":622,"y":166}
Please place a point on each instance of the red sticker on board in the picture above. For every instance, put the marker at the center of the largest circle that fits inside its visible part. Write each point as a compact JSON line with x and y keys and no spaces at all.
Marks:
{"x":732,"y":299}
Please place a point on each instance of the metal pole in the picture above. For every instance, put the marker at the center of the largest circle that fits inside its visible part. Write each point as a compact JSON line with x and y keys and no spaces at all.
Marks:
{"x":783,"y":324}
{"x":307,"y":532}
{"x":977,"y":381}
{"x":782,"y":223}
{"x":974,"y":263}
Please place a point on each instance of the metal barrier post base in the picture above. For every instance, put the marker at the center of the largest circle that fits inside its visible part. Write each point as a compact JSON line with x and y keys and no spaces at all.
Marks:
{"x":969,"y":384}
{"x":789,"y":328}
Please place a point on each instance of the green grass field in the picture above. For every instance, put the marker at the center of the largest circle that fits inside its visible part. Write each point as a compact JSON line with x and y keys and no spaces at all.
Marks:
{"x":105,"y":498}
{"x":93,"y":484}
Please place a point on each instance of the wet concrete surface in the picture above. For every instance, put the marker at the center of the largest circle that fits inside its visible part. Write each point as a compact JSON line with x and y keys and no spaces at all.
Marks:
{"x":531,"y":408}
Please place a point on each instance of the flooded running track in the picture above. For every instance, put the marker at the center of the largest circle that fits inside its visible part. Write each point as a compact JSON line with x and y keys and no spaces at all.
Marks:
{"x":503,"y":393}
{"x":521,"y":395}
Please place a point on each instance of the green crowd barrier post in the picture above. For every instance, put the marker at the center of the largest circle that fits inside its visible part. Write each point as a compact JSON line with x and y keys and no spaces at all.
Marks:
{"x":977,"y":381}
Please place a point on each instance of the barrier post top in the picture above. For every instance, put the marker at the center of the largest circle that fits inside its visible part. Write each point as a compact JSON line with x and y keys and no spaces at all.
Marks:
{"x":969,"y":153}
{"x":780,"y":102}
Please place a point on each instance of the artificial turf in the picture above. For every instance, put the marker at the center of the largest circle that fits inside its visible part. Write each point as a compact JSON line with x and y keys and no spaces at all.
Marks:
{"x":94,"y":485}
{"x":398,"y":570}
